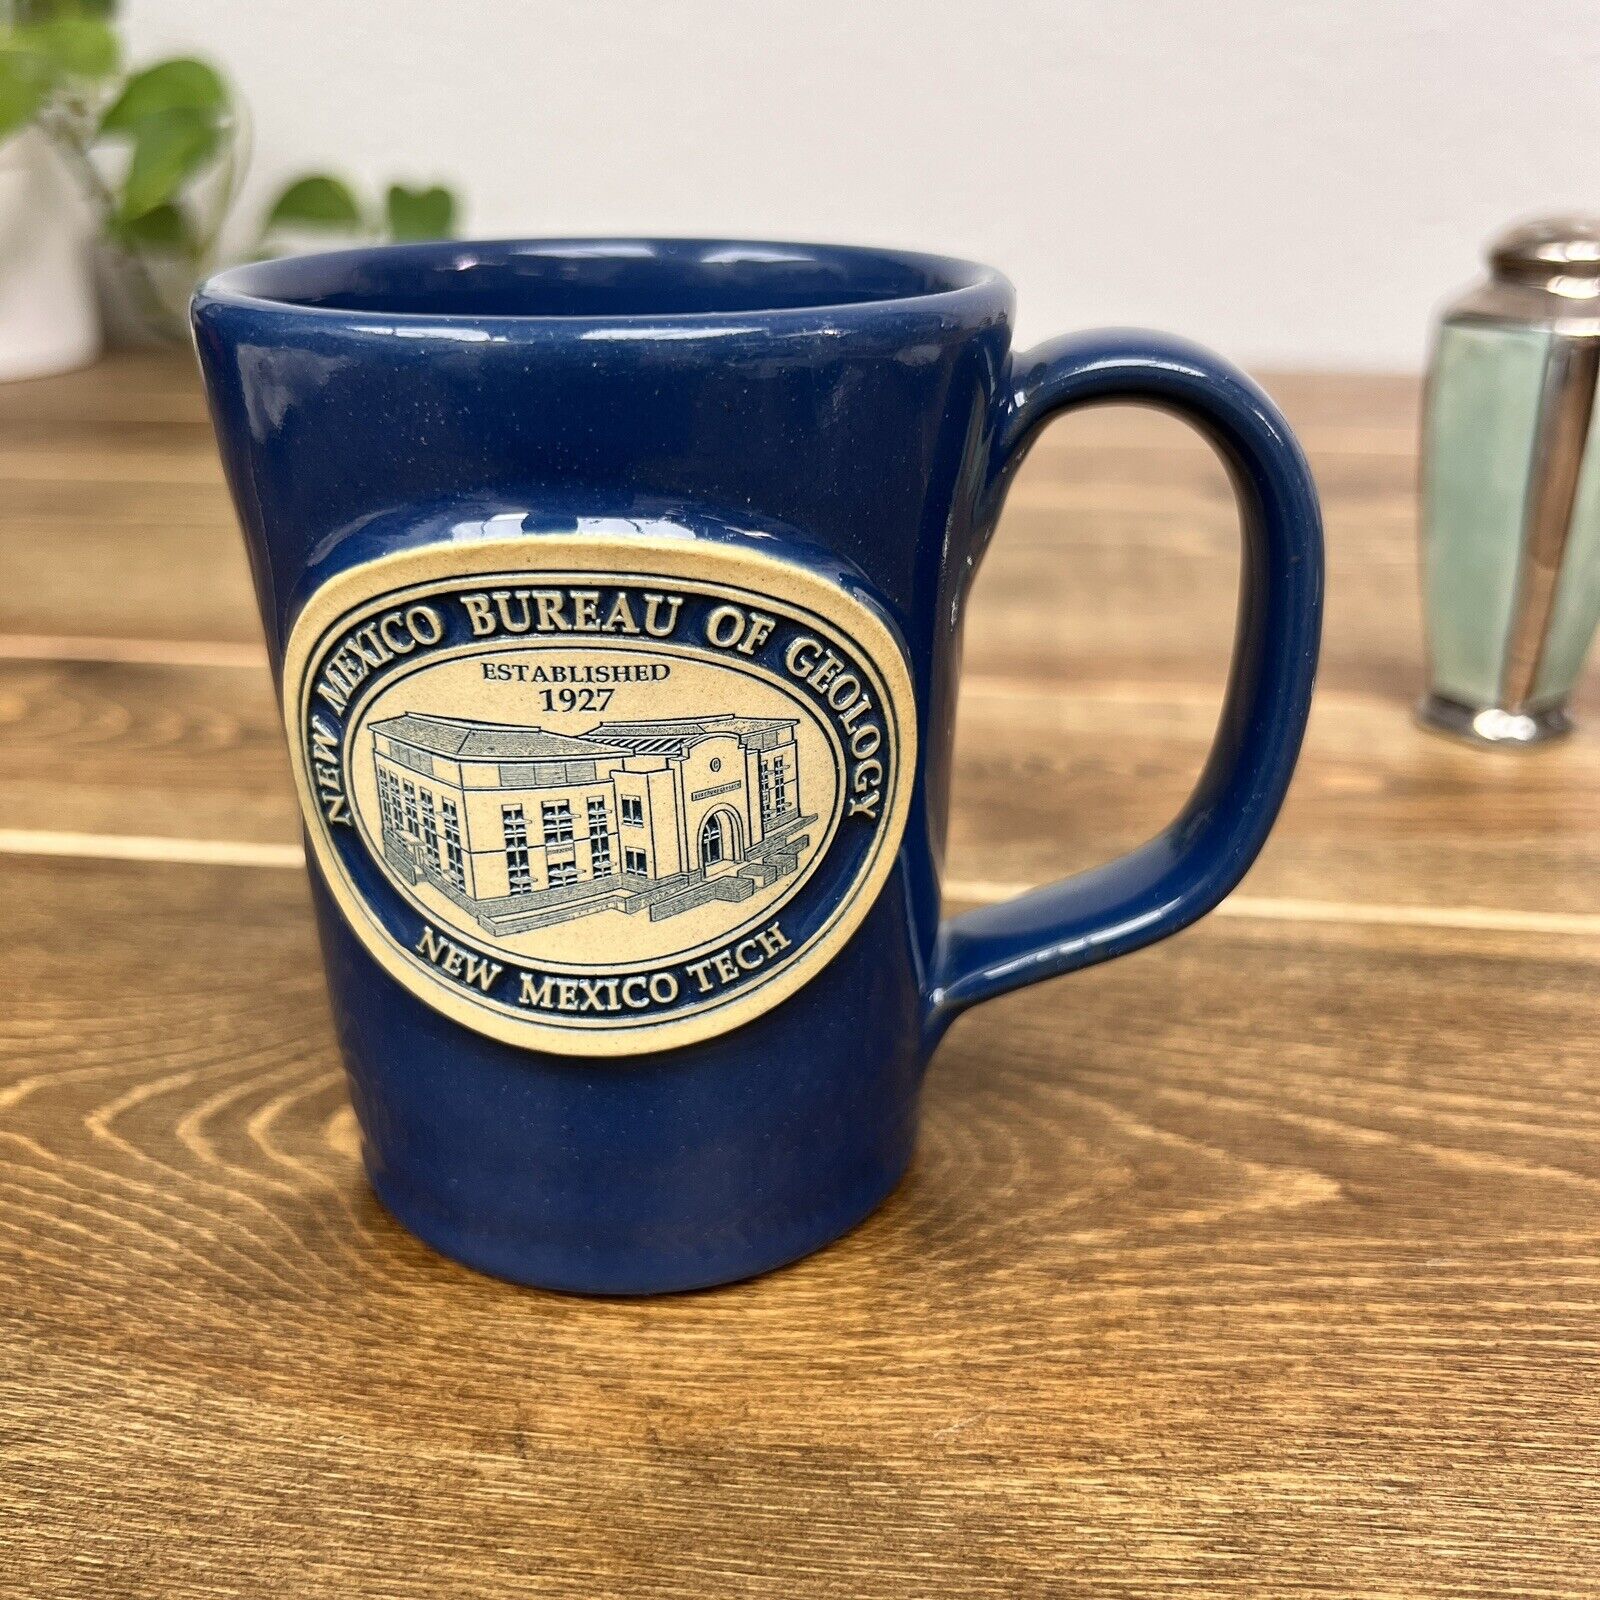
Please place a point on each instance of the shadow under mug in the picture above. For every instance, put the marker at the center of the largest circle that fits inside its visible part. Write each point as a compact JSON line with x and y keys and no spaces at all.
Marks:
{"x":615,"y":591}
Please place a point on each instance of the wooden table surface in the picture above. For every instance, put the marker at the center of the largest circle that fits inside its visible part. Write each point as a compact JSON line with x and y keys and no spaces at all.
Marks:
{"x":1261,"y":1263}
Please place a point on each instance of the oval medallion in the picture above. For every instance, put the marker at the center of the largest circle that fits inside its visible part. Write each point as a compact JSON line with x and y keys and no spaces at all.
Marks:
{"x":598,"y":795}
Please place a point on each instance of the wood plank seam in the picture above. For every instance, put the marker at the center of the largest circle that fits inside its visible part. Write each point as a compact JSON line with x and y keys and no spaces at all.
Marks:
{"x":132,"y":652}
{"x":230,"y":655}
{"x":173,"y":851}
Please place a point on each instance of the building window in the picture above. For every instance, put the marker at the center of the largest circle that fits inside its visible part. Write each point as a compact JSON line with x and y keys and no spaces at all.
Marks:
{"x":430,"y":829}
{"x":633,"y":810}
{"x":519,"y":879}
{"x":389,"y":802}
{"x":556,"y":816}
{"x":562,"y":873}
{"x":636,"y":861}
{"x":774,"y":789}
{"x":599,"y":837}
{"x":452,"y":844}
{"x":410,"y":791}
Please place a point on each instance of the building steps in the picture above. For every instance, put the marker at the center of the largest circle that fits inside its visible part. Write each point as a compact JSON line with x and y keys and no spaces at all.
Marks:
{"x":774,"y":862}
{"x":732,"y":888}
{"x":661,"y":889}
{"x":513,"y":914}
{"x":528,"y":921}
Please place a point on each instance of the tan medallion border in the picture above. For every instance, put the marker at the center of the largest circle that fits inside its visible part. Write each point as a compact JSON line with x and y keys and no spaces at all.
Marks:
{"x":588,"y":557}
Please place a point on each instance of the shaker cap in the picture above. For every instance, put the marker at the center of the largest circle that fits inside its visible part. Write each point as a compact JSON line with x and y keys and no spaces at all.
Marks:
{"x":1547,"y":249}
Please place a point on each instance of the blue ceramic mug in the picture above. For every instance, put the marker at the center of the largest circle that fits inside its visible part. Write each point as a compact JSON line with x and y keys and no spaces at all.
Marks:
{"x":615,"y":589}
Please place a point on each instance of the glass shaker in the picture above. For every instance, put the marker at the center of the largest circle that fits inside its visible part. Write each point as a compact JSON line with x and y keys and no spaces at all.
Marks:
{"x":1511,"y":489}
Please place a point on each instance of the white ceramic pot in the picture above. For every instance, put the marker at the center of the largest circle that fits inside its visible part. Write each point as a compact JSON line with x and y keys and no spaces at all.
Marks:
{"x":49,"y":321}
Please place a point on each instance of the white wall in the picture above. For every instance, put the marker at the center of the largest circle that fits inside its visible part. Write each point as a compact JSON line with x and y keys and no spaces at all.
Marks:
{"x":1294,"y":182}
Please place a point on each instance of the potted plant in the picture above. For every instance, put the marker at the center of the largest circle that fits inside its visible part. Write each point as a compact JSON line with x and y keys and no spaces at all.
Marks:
{"x":157,"y":156}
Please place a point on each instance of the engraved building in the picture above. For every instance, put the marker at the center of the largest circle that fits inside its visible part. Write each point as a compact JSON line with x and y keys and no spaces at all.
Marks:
{"x":524,"y":828}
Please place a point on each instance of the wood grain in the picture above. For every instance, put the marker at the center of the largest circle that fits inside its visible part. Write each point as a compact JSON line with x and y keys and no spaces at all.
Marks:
{"x":1047,"y":782}
{"x":1261,"y":1263}
{"x":110,"y":747}
{"x":1283,"y":1285}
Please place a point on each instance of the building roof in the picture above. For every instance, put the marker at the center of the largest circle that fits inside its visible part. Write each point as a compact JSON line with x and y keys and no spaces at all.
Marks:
{"x":674,"y":735}
{"x":467,"y":739}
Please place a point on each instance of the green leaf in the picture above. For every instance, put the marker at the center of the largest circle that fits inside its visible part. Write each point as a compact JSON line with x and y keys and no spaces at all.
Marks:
{"x":24,"y":81}
{"x":420,"y":213}
{"x":164,"y":229}
{"x":317,"y":201}
{"x":181,"y":84}
{"x":169,"y":147}
{"x":77,"y":47}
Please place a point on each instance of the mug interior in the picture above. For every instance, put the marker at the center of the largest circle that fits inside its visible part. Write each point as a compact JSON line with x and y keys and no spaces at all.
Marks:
{"x":598,"y":278}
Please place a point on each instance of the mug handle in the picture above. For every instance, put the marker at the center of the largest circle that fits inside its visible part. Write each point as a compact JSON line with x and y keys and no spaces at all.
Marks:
{"x":1185,"y":870}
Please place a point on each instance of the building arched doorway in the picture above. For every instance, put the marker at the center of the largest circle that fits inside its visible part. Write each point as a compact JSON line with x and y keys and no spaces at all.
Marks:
{"x":721,"y":838}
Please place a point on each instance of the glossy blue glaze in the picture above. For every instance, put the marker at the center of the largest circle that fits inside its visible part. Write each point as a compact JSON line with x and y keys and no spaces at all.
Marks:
{"x":860,"y":411}
{"x":1185,"y":870}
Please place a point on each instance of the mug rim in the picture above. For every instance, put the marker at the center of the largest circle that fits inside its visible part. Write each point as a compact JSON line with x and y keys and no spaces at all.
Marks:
{"x":961,"y":290}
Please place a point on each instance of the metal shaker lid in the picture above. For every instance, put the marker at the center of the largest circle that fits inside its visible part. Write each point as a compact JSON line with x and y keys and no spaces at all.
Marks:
{"x":1548,"y":247}
{"x":1544,"y":273}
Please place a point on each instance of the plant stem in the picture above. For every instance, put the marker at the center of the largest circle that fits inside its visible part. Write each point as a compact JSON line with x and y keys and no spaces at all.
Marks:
{"x":60,"y":129}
